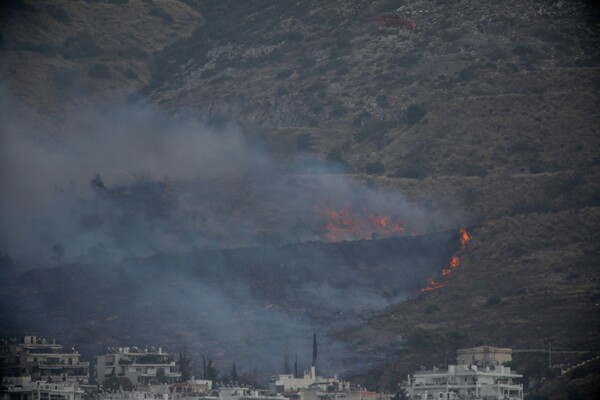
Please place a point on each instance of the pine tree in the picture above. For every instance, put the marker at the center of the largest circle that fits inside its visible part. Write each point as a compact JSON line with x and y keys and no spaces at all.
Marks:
{"x":234,"y":377}
{"x":286,"y":358}
{"x":314,"y":361}
{"x":296,"y":366}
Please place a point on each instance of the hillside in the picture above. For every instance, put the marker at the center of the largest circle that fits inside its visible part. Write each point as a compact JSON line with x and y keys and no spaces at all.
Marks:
{"x":486,"y":114}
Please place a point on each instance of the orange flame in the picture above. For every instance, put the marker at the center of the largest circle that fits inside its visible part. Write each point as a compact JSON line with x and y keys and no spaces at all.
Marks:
{"x":432,"y":284}
{"x":454,"y":261}
{"x":464,"y":238}
{"x":344,"y":224}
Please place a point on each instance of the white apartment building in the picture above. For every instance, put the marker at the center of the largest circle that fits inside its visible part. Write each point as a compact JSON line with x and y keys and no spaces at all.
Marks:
{"x":288,"y":382}
{"x":22,"y":388}
{"x":241,"y":393}
{"x":139,"y":366}
{"x":491,"y":382}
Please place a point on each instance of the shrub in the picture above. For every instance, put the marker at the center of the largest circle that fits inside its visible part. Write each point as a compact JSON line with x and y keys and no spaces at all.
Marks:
{"x":358,"y":120}
{"x":407,"y":60}
{"x":375,"y":168}
{"x":57,"y":13}
{"x":303,"y":141}
{"x":410,"y":171}
{"x":80,"y":46}
{"x":335,"y":155}
{"x":162,"y":14}
{"x":536,"y":396}
{"x":45,"y":49}
{"x":318,"y":88}
{"x":432,"y":308}
{"x":375,"y":130}
{"x":284,"y":73}
{"x":382,"y":101}
{"x":471,"y":170}
{"x":130,"y":74}
{"x":466,"y":74}
{"x":420,"y":337}
{"x":207,"y":73}
{"x":414,"y":114}
{"x":493,"y":300}
{"x":99,"y":71}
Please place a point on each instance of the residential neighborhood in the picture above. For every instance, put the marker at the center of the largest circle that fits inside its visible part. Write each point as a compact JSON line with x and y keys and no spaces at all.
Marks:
{"x":32,"y":368}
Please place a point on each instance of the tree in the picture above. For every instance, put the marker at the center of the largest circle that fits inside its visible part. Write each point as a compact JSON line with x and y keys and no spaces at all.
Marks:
{"x":234,"y":377}
{"x":161,"y":375}
{"x":210,"y":373}
{"x":314,"y":361}
{"x":401,"y":395}
{"x":58,"y":252}
{"x":185,"y":365}
{"x":286,"y":358}
{"x":296,"y":366}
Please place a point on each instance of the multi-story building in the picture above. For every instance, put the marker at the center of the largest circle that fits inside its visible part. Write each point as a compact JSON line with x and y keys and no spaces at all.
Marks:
{"x":41,"y":360}
{"x":488,"y":382}
{"x":484,"y":354}
{"x":195,"y":389}
{"x":139,"y":366}
{"x":242,"y":393}
{"x":22,"y":388}
{"x":288,"y":382}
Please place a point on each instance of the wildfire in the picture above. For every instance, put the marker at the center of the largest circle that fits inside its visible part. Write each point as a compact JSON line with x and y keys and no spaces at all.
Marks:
{"x":464,"y":237}
{"x":454,"y":261}
{"x":345,"y":224}
{"x":432,"y":284}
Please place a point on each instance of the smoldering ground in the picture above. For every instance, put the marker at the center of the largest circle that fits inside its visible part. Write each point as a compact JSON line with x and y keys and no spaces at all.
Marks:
{"x":162,"y":229}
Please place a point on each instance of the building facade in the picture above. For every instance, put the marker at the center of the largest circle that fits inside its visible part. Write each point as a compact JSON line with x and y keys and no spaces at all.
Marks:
{"x":41,"y":360}
{"x":22,"y":388}
{"x":492,"y":382}
{"x":309,"y":380}
{"x":484,"y":354}
{"x":141,"y":367}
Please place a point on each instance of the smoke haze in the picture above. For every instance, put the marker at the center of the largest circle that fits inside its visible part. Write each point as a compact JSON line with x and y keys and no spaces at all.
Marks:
{"x":166,"y":230}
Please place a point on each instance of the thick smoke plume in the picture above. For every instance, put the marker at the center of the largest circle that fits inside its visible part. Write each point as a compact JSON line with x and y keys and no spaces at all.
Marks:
{"x":129,"y":180}
{"x":167,"y":229}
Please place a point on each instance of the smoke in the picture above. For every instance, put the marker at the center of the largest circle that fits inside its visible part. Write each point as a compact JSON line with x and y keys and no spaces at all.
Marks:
{"x":128,"y":180}
{"x":178,"y":232}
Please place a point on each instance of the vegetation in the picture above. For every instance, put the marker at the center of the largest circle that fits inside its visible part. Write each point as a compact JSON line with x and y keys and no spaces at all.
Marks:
{"x":99,"y":71}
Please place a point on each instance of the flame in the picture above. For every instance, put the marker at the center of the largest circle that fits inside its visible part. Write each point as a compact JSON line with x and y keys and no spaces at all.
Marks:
{"x":454,"y":261}
{"x":344,"y":224}
{"x":465,"y":237}
{"x":432,"y":284}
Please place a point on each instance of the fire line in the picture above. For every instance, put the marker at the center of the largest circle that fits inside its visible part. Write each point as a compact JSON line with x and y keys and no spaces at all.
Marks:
{"x":432,"y":284}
